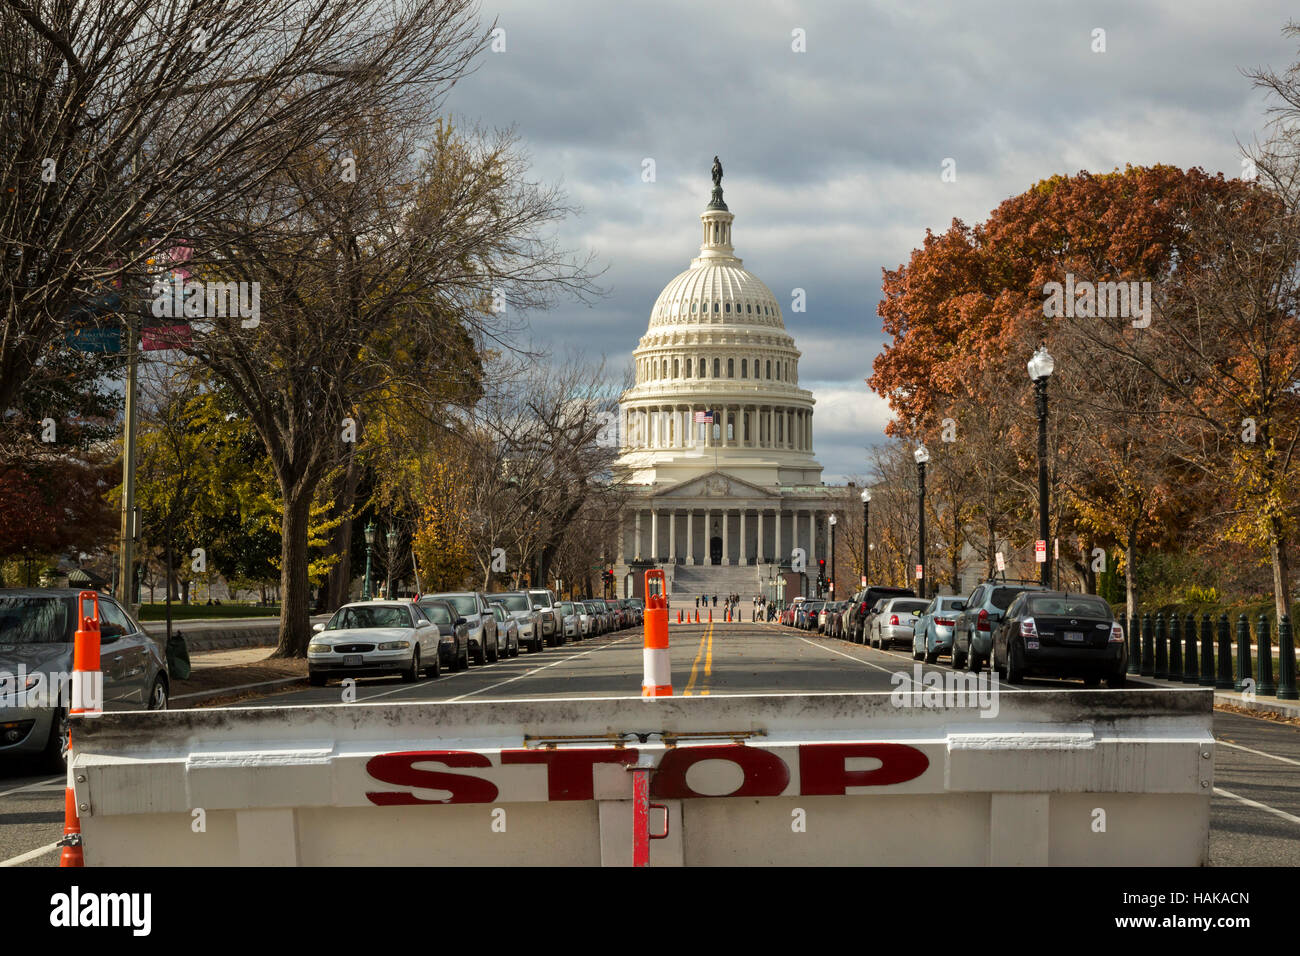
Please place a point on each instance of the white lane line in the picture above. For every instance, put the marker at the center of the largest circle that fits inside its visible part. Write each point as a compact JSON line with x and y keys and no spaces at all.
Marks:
{"x":1224,"y":743}
{"x":1258,"y":806}
{"x":29,"y":855}
{"x":38,"y":784}
{"x":543,"y":667}
{"x":857,"y":659}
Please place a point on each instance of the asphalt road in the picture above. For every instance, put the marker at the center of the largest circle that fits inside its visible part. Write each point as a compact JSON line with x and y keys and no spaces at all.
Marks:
{"x":1255,"y":809}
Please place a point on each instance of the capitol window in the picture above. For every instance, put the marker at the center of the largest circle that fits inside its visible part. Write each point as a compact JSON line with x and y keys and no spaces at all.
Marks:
{"x":689,"y":363}
{"x":731,"y":368}
{"x":748,"y":308}
{"x":675,"y":368}
{"x":693,"y":305}
{"x":769,"y":368}
{"x":744,"y":368}
{"x":715,"y":308}
{"x":717,"y":368}
{"x":728,"y":309}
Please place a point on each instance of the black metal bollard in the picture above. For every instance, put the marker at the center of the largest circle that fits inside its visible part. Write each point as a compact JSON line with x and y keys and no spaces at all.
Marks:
{"x":1245,"y":670}
{"x":1162,"y":650}
{"x":1148,"y":648}
{"x":1207,"y":651}
{"x":1264,"y":647}
{"x":1134,"y":645}
{"x":1175,"y":647}
{"x":1224,"y":680}
{"x":1286,"y":661}
{"x":1191,"y":668}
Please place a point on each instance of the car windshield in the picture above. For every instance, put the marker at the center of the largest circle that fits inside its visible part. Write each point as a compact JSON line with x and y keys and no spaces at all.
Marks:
{"x":514,"y":602}
{"x":538,"y":600}
{"x":465,"y":604}
{"x":566,"y":608}
{"x":437,"y":613}
{"x":349,"y":618}
{"x":36,"y":620}
{"x":498,"y":612}
{"x":1074,"y":605}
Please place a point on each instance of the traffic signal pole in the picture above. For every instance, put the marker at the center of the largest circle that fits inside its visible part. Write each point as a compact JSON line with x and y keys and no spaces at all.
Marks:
{"x":126,"y":573}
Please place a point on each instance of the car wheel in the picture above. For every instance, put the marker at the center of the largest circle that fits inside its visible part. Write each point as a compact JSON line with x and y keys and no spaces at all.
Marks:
{"x":958,"y":660}
{"x":462,"y":658}
{"x":158,"y":694}
{"x":1092,"y":681}
{"x":1015,"y":669}
{"x":315,"y":679}
{"x":1116,"y":679}
{"x":916,"y":655}
{"x":435,"y":669}
{"x":932,"y":657}
{"x":55,"y":756}
{"x":412,"y":673}
{"x":496,"y":652}
{"x":480,"y":656}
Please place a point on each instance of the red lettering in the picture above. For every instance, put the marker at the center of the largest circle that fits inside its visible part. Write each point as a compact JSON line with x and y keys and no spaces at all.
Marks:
{"x":766,"y":774}
{"x":399,"y":769}
{"x":569,"y":773}
{"x":821,"y":767}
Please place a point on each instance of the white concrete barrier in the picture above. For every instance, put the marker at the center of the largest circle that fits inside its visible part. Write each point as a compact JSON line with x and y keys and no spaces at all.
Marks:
{"x":1056,"y":777}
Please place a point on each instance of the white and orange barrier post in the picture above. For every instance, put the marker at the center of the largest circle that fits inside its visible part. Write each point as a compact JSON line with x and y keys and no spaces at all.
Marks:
{"x":657,"y":669}
{"x":87,"y":698}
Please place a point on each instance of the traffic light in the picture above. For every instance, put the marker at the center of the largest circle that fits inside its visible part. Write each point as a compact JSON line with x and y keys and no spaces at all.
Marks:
{"x":821,"y":575}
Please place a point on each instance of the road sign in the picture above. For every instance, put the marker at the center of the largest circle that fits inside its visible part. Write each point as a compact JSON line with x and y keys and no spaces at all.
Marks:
{"x":1002,"y":562}
{"x":920,"y":571}
{"x":864,"y":580}
{"x":95,"y":340}
{"x":1040,"y":551}
{"x":1056,"y":549}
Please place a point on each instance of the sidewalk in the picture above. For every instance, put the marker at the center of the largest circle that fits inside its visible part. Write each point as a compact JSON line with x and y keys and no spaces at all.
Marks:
{"x":1232,"y":700}
{"x":232,"y":674}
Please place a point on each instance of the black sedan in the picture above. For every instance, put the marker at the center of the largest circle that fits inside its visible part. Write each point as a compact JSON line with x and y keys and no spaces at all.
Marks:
{"x":1056,"y":634}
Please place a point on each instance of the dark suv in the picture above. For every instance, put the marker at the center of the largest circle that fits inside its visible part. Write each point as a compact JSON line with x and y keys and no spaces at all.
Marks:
{"x":972,"y":634}
{"x":862,"y":604}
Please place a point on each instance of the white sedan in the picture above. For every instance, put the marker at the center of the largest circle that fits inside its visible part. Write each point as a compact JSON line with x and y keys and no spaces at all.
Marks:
{"x":374,"y":639}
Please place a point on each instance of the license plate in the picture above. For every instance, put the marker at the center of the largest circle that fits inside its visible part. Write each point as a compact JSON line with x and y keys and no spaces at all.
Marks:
{"x":1072,"y":636}
{"x":351,"y":660}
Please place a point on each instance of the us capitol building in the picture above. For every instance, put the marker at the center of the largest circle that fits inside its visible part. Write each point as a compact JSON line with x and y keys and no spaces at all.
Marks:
{"x":719,"y":505}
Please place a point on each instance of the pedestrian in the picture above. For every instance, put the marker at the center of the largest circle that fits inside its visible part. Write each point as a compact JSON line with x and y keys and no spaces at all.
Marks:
{"x":697,"y":602}
{"x":715,"y":600}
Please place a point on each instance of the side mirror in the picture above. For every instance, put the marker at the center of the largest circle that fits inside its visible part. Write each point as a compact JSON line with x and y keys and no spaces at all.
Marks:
{"x":108,"y":633}
{"x":460,"y":621}
{"x":318,"y":626}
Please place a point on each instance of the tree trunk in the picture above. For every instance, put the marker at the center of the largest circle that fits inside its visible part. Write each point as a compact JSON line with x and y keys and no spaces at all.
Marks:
{"x":1278,"y":543}
{"x":294,"y":589}
{"x":1130,"y":573}
{"x":336,"y":593}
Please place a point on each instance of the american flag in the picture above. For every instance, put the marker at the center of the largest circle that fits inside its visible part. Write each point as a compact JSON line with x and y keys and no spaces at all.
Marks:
{"x":704,"y":418}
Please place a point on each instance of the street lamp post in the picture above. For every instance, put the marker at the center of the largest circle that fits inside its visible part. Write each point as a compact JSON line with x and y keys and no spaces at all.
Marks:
{"x":1041,"y":365}
{"x":391,"y":537}
{"x":922,"y":455}
{"x":832,"y":522}
{"x":370,"y":547}
{"x":866,"y":534}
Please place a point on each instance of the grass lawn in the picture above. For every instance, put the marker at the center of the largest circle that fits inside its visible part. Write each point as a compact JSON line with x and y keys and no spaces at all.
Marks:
{"x":190,"y":612}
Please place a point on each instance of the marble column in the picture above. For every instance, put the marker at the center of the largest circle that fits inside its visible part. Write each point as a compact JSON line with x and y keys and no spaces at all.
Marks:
{"x":743,"y":554}
{"x":708,"y":535}
{"x":638,"y":534}
{"x":758,"y":558}
{"x":654,"y":536}
{"x":779,"y":556}
{"x":690,"y":535}
{"x":726,"y":552}
{"x":672,"y":537}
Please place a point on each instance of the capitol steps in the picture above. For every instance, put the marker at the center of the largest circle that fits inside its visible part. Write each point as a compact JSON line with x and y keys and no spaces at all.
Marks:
{"x":691,"y":581}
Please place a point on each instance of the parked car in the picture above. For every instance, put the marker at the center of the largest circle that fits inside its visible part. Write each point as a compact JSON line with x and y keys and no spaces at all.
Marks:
{"x":474,"y":608}
{"x":453,"y":635}
{"x":864,"y":604}
{"x":932,"y":633}
{"x":544,"y":601}
{"x":37,"y":630}
{"x":894,"y":622}
{"x":374,"y":639}
{"x":972,"y":638}
{"x":507,"y":629}
{"x":571,"y":619}
{"x":1057,"y":634}
{"x":618,"y":619}
{"x":520,"y":607}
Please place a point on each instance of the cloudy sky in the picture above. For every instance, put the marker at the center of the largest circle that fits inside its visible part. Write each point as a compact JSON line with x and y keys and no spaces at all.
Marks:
{"x":834,"y":155}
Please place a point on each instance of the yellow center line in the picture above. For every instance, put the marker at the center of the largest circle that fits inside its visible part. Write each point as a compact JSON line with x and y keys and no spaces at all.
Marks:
{"x":690,"y":684}
{"x":708,"y":662}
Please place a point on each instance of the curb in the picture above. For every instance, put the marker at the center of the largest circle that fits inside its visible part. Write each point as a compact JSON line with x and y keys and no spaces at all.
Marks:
{"x":1280,"y":708}
{"x":201,"y":697}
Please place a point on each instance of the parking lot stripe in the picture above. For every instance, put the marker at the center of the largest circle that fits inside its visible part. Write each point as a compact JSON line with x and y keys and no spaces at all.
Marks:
{"x":1258,"y":753}
{"x":1257,"y":805}
{"x":564,"y":660}
{"x":61,"y":781}
{"x":30,"y":854}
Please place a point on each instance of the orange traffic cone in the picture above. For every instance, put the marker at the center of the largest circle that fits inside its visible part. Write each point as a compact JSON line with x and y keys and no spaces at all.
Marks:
{"x":657,"y":668}
{"x":85,"y":675}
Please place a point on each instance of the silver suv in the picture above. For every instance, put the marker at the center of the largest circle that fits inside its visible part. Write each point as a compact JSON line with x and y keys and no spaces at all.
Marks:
{"x":543,"y":599}
{"x":482,"y":624}
{"x":972,"y":634}
{"x":529,"y":619}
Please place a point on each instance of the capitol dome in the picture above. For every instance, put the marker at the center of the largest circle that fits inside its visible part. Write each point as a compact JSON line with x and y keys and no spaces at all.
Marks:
{"x":717,"y":343}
